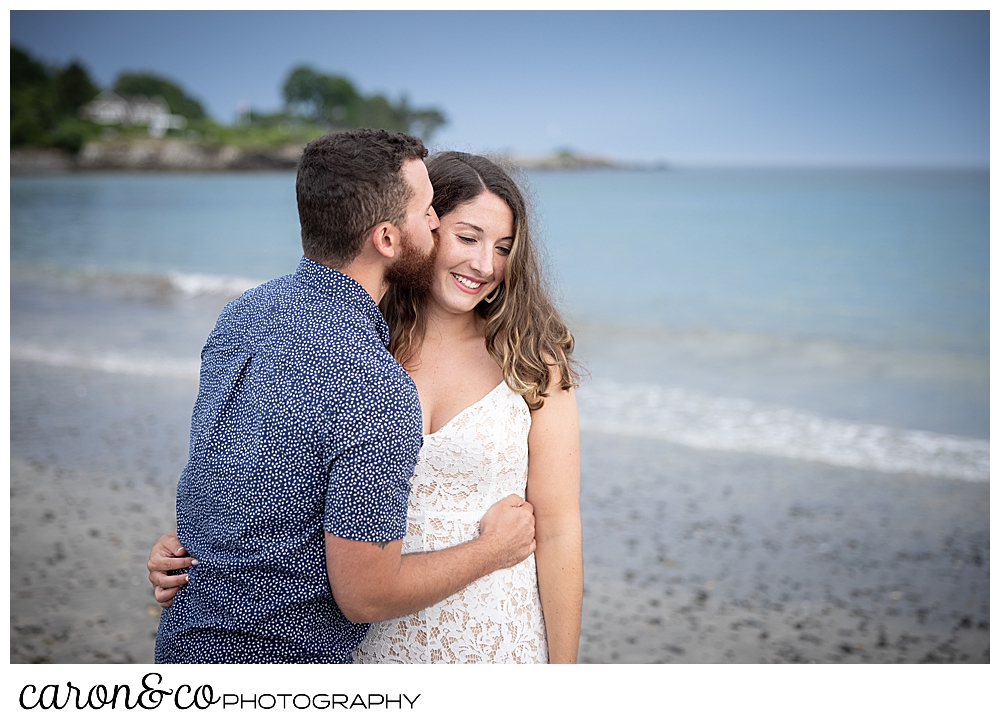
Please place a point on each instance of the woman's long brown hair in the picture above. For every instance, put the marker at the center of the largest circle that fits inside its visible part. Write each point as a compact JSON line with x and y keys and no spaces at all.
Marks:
{"x":524,"y":332}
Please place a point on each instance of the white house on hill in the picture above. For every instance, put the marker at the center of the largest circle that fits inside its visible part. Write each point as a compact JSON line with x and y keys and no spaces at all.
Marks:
{"x":111,"y":109}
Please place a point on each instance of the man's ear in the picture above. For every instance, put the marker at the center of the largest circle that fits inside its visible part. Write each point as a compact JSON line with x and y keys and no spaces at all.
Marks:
{"x":385,"y":239}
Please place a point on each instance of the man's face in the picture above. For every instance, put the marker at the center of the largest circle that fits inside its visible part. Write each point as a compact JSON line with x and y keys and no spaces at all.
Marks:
{"x":414,"y":265}
{"x":413,"y":269}
{"x":420,"y":217}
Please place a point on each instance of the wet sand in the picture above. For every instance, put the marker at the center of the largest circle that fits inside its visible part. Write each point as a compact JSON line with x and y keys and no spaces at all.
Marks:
{"x":690,"y":556}
{"x":94,"y":462}
{"x":695,"y":556}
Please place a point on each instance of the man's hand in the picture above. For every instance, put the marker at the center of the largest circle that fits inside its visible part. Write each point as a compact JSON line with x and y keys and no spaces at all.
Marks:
{"x":373,"y":581}
{"x":168,"y":555}
{"x":509,"y":526}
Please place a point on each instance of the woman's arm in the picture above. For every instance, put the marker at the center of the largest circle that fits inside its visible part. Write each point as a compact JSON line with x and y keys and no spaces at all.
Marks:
{"x":554,"y":491}
{"x":168,"y":555}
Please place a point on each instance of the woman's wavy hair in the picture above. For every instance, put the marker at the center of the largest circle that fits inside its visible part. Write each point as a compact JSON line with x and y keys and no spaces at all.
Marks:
{"x":524,"y":331}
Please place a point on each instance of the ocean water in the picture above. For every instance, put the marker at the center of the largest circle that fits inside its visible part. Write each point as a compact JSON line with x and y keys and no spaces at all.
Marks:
{"x":838,"y":316}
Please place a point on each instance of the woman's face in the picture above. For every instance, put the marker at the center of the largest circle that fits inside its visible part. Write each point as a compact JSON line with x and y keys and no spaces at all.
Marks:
{"x":474,"y":241}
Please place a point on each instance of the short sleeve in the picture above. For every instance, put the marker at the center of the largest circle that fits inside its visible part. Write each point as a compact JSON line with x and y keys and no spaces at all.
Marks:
{"x":378,"y":437}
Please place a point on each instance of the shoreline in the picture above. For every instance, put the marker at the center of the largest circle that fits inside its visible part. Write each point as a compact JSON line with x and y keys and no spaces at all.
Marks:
{"x":154,"y":155}
{"x":690,"y":556}
{"x":180,"y":155}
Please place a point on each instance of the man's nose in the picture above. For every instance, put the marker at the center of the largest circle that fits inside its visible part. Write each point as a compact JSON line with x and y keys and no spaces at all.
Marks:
{"x":433,"y":220}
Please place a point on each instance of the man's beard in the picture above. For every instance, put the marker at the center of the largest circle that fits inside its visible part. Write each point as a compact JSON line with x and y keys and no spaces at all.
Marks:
{"x":412,"y":270}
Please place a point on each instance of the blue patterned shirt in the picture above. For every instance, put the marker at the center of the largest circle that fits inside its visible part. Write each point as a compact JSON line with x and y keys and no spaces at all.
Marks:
{"x":303,"y":423}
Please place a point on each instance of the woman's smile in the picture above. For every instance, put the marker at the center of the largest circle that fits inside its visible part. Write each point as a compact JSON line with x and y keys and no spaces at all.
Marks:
{"x":466,"y":284}
{"x":474,"y":240}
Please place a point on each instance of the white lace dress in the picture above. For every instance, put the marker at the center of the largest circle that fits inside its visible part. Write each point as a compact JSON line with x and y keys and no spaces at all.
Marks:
{"x":478,"y":458}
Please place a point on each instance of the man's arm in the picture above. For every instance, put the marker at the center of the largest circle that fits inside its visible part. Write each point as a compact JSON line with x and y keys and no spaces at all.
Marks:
{"x":375,"y":582}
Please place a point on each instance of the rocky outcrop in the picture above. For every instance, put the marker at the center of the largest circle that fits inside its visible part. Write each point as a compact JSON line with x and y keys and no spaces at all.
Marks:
{"x":39,"y":160}
{"x":181,"y":155}
{"x":178,"y":155}
{"x":573,"y":162}
{"x":564,"y":162}
{"x":154,"y":155}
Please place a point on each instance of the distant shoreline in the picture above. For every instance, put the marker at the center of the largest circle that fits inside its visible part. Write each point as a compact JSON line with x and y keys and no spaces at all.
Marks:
{"x":154,"y":155}
{"x":573,"y":162}
{"x":178,"y":155}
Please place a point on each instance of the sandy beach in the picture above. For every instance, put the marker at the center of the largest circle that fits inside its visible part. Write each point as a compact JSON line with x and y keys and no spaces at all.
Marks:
{"x":769,"y":234}
{"x":690,"y":556}
{"x":717,"y":557}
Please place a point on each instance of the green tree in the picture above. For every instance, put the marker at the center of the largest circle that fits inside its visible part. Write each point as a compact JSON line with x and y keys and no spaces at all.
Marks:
{"x":301,"y":90}
{"x":378,"y":112}
{"x":149,"y":85}
{"x":25,"y":71}
{"x":32,"y":101}
{"x":45,"y":103}
{"x":32,"y":115}
{"x":334,"y":102}
{"x":326,"y":99}
{"x":74,"y":89}
{"x":425,"y":123}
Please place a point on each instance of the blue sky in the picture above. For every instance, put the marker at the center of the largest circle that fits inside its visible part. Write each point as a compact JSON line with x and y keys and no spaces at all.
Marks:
{"x":840,"y":88}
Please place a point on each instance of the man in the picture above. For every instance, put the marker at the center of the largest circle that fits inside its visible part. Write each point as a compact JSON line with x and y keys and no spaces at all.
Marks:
{"x":305,"y":434}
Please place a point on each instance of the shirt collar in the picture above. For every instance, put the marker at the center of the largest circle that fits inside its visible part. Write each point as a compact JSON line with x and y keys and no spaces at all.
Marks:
{"x":342,"y":288}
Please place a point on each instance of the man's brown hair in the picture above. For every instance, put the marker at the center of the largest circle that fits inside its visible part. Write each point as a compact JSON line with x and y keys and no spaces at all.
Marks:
{"x":348,"y":183}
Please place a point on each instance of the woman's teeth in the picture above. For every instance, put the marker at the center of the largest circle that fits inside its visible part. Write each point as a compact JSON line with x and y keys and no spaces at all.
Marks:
{"x":467,"y":283}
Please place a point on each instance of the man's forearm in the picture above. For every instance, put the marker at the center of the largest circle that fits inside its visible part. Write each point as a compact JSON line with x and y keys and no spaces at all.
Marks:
{"x":374,"y":582}
{"x":416,"y":581}
{"x":428,"y":577}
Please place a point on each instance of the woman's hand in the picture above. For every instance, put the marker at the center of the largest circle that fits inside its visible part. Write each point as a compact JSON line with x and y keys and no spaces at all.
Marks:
{"x":168,"y":555}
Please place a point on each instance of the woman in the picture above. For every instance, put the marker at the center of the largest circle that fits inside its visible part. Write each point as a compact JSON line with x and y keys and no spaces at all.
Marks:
{"x":490,"y":358}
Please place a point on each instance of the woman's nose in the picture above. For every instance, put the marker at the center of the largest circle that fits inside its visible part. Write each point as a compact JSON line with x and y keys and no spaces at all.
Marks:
{"x":482,"y":263}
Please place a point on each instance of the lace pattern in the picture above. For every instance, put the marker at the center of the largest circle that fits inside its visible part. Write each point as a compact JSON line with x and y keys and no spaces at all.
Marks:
{"x":478,"y":458}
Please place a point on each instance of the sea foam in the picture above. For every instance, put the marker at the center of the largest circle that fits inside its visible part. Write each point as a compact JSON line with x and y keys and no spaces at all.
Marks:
{"x":678,"y":416}
{"x":112,"y":362}
{"x":197,"y":284}
{"x":738,"y":425}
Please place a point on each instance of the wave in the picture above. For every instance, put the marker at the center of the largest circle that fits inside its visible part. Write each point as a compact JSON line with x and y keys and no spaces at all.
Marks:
{"x":678,"y":416}
{"x":112,"y":362}
{"x":197,"y":284}
{"x":183,"y":283}
{"x":769,"y":351}
{"x":739,"y":425}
